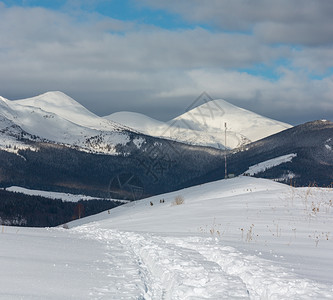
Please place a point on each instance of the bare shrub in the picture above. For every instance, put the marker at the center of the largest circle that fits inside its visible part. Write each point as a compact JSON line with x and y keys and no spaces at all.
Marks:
{"x":178,"y":200}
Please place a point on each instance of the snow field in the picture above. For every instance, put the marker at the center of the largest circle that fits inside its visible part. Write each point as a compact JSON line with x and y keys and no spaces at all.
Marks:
{"x":167,"y":271}
{"x":49,"y":264}
{"x":275,"y":238}
{"x":57,"y":195}
{"x":164,"y":267}
{"x":241,"y":238}
{"x":262,"y":279}
{"x":268,"y":164}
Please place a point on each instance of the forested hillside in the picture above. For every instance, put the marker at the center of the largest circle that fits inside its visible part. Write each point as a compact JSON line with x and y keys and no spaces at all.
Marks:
{"x":34,"y":211}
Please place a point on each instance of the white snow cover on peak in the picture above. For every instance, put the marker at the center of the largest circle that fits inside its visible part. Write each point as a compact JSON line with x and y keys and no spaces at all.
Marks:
{"x":241,"y":238}
{"x":55,"y":117}
{"x":214,"y":114}
{"x":64,"y":106}
{"x":205,"y":125}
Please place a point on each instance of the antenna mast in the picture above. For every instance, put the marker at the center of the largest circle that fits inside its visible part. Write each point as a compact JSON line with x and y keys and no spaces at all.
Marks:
{"x":225,"y":150}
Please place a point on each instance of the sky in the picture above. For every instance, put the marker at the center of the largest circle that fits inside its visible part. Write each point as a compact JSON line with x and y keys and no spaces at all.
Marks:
{"x":156,"y":57}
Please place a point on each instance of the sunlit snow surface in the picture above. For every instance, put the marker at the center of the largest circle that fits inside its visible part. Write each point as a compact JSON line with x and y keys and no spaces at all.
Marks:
{"x":205,"y":125}
{"x":268,"y":164}
{"x":56,"y":195}
{"x":241,"y":238}
{"x":56,"y":117}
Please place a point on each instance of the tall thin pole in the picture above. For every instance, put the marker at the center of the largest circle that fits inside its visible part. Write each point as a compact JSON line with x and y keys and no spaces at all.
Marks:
{"x":225,"y":150}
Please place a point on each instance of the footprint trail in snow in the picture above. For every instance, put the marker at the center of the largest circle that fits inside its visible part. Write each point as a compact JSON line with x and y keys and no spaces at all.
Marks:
{"x":148,"y":266}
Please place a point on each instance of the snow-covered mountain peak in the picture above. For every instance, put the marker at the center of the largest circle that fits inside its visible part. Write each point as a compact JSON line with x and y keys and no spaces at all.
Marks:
{"x":201,"y":125}
{"x":63,"y":106}
{"x":56,"y":117}
{"x":216,"y":105}
{"x":55,"y":98}
{"x":243,"y":126}
{"x":58,"y":103}
{"x":215,"y":113}
{"x":205,"y":125}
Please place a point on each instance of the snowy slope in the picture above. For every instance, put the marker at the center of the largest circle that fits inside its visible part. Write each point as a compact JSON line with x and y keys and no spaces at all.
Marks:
{"x":241,"y":238}
{"x":243,"y":126}
{"x":205,"y":125}
{"x":140,"y":122}
{"x":56,"y":195}
{"x":268,"y":164}
{"x":56,"y":117}
{"x":67,"y":108}
{"x":10,"y":134}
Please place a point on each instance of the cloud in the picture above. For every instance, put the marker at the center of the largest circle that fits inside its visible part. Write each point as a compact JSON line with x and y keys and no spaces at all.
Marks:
{"x":45,"y":43}
{"x":110,"y":65}
{"x":306,"y":22}
{"x":291,"y":98}
{"x":316,"y":60}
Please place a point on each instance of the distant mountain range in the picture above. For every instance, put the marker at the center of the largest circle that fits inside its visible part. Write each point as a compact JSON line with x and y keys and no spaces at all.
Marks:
{"x":56,"y":117}
{"x":205,"y":125}
{"x":51,"y":142}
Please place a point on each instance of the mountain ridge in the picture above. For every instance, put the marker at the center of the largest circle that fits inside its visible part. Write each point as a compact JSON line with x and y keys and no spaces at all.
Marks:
{"x":204,"y":125}
{"x":42,"y":150}
{"x":56,"y":117}
{"x":73,"y":125}
{"x":59,"y":103}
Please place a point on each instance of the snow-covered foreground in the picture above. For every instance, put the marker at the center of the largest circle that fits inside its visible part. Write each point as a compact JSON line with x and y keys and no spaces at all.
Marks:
{"x":233,"y":239}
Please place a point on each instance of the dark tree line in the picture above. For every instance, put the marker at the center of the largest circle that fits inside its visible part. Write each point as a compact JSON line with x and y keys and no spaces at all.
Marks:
{"x":36,"y":211}
{"x":162,"y":167}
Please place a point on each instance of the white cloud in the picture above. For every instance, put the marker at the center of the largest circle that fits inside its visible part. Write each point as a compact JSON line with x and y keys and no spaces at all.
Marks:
{"x":284,"y":21}
{"x":112,"y":65}
{"x":317,"y":60}
{"x":291,"y":98}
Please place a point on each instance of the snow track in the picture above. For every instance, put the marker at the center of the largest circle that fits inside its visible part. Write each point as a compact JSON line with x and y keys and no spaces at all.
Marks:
{"x":263,"y":279}
{"x":183,"y":273}
{"x":148,"y":266}
{"x":126,"y":273}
